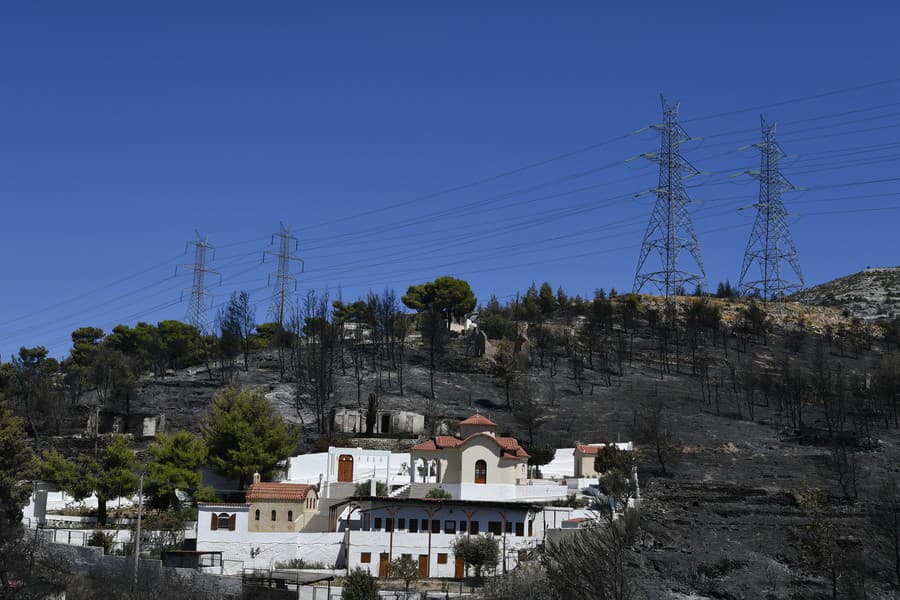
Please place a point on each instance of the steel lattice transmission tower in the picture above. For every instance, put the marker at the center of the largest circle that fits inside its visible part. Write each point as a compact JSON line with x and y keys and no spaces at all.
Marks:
{"x":284,"y":280}
{"x":197,"y":305}
{"x":670,"y":231}
{"x":770,"y":253}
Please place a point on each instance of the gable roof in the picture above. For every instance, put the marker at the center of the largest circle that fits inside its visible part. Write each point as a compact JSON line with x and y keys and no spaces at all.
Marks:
{"x":589,"y":450}
{"x":291,"y":492}
{"x":509,"y":447}
{"x":478,"y":420}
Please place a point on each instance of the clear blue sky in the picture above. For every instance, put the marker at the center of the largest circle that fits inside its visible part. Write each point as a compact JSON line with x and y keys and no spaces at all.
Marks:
{"x":124,"y":128}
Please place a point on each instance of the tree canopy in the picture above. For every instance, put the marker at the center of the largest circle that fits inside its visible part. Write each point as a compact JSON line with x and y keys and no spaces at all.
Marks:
{"x":244,"y":435}
{"x":447,"y":295}
{"x":175,"y":464}
{"x":17,"y":466}
{"x":480,"y":551}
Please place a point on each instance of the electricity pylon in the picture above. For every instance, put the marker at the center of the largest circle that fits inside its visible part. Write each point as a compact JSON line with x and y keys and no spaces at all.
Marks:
{"x":670,"y":230}
{"x":196,"y":310}
{"x":281,"y":294}
{"x":770,"y":248}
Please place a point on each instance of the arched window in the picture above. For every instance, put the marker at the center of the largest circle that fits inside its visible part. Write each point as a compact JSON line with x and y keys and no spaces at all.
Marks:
{"x":273,"y":515}
{"x":480,"y":471}
{"x":290,"y":515}
{"x":257,"y":514}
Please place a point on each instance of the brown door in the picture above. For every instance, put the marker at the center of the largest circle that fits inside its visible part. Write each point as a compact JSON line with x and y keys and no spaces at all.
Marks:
{"x":423,"y":565}
{"x":460,"y":570}
{"x":384,"y":562}
{"x":345,"y":467}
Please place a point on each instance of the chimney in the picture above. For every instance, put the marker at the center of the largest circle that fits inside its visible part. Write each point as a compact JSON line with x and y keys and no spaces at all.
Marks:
{"x":256,"y":477}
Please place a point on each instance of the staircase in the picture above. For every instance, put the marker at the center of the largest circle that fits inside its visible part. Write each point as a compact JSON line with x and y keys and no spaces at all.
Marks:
{"x":401,"y":492}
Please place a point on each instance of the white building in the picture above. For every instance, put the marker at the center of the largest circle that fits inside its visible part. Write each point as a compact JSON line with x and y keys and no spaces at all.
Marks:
{"x":479,"y":465}
{"x":485,"y":475}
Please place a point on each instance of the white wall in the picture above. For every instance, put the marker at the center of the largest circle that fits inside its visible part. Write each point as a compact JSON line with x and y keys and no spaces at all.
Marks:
{"x":416,"y":544}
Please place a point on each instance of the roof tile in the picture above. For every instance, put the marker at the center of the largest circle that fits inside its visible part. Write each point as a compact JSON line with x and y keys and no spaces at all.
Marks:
{"x":478,"y":420}
{"x":278,"y":491}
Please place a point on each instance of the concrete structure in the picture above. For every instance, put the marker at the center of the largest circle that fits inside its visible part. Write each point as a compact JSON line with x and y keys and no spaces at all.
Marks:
{"x":353,"y":420}
{"x":347,"y":467}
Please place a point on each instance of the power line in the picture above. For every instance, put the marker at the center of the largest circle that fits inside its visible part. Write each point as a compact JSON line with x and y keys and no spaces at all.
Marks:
{"x":762,"y":107}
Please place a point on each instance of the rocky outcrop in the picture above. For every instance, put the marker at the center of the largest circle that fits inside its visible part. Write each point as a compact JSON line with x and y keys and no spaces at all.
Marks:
{"x":871,"y":294}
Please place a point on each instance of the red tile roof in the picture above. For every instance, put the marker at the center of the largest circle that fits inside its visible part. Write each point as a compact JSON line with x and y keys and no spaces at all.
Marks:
{"x":441,"y":441}
{"x":291,"y":492}
{"x":590,"y":450}
{"x":509,"y":447}
{"x":478,"y":420}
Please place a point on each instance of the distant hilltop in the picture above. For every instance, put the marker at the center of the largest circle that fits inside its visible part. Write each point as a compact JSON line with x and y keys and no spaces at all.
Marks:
{"x":871,"y":294}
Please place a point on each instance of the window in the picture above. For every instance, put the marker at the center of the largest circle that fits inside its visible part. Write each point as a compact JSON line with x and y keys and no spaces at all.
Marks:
{"x":377,"y":523}
{"x":413,"y":525}
{"x":223,"y":521}
{"x":480,"y":471}
{"x":473,"y":527}
{"x":401,"y":523}
{"x":274,"y":515}
{"x":435,"y":526}
{"x":531,"y":528}
{"x":365,"y":557}
{"x":520,"y":529}
{"x":495,"y":527}
{"x":462,"y":526}
{"x":509,"y":527}
{"x":290,"y":515}
{"x":449,"y":526}
{"x":256,"y":516}
{"x":389,"y":524}
{"x":409,"y":556}
{"x":442,"y":558}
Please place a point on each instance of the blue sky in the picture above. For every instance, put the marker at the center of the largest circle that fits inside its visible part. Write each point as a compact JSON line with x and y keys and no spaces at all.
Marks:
{"x":125,"y":128}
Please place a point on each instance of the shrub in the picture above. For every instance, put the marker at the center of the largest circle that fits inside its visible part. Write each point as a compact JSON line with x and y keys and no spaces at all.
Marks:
{"x":101,"y":540}
{"x":299,"y":563}
{"x":360,"y":585}
{"x":439,"y":494}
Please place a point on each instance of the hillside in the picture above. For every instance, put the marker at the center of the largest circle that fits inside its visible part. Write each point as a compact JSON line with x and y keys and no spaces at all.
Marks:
{"x":870,"y":294}
{"x":759,"y":398}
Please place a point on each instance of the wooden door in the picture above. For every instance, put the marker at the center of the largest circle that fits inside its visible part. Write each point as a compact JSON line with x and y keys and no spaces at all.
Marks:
{"x":345,"y":468}
{"x":384,"y":561}
{"x":423,"y":565}
{"x":460,"y":570}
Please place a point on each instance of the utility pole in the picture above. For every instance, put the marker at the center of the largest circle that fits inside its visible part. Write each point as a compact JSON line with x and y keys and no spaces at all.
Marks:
{"x":196,"y":310}
{"x":670,"y":230}
{"x":281,"y":293}
{"x":137,"y":537}
{"x":770,"y":248}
